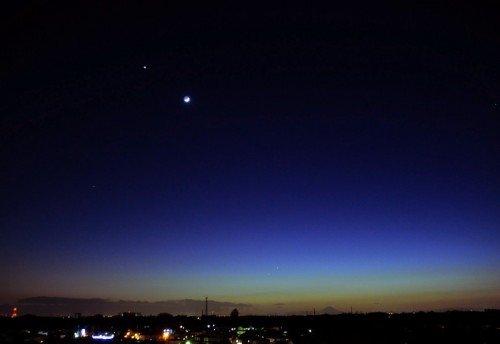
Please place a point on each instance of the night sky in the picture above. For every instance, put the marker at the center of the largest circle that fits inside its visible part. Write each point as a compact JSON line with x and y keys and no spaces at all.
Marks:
{"x":329,"y":157}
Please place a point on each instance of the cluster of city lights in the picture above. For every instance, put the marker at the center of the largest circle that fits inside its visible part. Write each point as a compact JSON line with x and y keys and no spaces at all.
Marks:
{"x":82,"y":333}
{"x":98,"y":336}
{"x":132,"y":335}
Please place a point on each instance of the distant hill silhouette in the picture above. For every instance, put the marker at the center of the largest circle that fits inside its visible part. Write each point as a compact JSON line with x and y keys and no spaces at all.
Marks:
{"x":328,"y":310}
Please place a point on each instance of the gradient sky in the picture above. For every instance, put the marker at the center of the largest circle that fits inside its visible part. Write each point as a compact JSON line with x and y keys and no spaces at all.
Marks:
{"x":329,"y":156}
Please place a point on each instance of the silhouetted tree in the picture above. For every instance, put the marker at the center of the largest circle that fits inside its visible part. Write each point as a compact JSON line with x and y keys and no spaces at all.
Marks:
{"x":234,"y":313}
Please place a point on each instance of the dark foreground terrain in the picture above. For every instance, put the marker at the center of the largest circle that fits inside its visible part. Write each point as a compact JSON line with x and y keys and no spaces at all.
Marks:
{"x":445,"y":327}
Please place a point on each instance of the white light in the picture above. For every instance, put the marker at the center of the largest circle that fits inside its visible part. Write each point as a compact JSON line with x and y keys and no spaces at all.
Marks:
{"x":187,"y":99}
{"x":103,"y":336}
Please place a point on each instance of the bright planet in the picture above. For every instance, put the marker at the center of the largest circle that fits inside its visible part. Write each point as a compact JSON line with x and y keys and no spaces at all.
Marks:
{"x":187,"y":99}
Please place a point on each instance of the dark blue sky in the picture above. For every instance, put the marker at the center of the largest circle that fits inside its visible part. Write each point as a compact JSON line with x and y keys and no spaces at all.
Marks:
{"x":329,"y":156}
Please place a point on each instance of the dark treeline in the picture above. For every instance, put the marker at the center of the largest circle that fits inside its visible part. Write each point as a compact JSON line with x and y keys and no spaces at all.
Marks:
{"x":420,"y":327}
